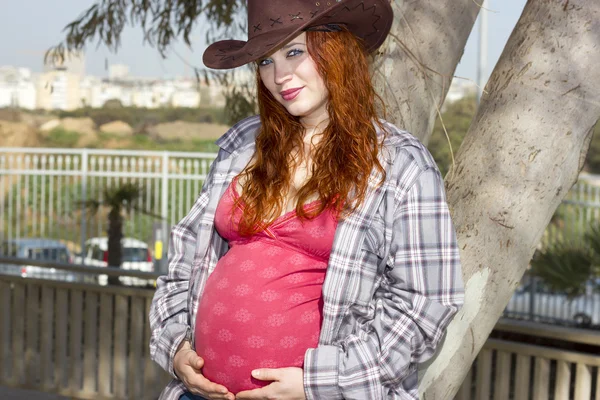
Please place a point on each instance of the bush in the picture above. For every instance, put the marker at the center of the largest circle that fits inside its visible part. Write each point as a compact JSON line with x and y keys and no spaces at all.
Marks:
{"x":592,"y":160}
{"x":457,"y":119}
{"x":570,"y":264}
{"x":59,"y":137}
{"x":564,"y":268}
{"x":138,"y":117}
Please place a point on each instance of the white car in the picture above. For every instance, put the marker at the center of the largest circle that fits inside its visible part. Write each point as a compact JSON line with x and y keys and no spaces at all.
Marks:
{"x":42,"y":249}
{"x":549,"y":306}
{"x":136,"y":256}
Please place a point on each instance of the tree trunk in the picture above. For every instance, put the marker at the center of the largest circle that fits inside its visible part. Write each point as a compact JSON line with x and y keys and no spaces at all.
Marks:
{"x":115,"y":234}
{"x":521,"y":155}
{"x":418,"y":60}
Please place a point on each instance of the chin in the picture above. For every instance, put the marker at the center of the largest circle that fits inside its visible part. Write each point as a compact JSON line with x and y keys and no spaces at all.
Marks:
{"x":298,"y":110}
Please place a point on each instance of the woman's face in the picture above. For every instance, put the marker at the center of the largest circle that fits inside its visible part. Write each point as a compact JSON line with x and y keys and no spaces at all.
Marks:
{"x":291,"y":76}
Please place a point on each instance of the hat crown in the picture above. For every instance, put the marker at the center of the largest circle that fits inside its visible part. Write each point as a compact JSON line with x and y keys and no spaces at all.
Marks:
{"x":266,"y":16}
{"x":272,"y":23}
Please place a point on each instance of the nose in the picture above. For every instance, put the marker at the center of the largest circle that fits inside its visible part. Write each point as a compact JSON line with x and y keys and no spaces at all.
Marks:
{"x":283,"y":72}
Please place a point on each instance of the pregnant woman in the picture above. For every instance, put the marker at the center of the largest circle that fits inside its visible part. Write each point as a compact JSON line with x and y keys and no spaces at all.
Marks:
{"x":319,"y":261}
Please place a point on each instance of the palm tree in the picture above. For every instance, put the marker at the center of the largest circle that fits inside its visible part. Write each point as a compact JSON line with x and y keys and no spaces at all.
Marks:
{"x":569,"y":264}
{"x":119,"y":200}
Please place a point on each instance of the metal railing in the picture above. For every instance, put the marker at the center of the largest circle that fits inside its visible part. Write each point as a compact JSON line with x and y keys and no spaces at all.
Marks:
{"x":579,"y":209}
{"x":42,"y":191}
{"x":535,"y":302}
{"x":83,"y":269}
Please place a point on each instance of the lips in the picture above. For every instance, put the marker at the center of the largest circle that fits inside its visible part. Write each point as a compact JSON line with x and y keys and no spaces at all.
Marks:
{"x":291,"y":94}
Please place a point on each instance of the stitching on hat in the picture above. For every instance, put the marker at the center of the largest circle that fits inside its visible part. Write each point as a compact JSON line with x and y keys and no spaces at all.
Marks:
{"x":295,"y":16}
{"x":231,"y":47}
{"x":224,"y":56}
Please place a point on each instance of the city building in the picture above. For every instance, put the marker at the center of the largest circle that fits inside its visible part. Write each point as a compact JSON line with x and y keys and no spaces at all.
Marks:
{"x":58,"y":90}
{"x":63,"y":85}
{"x":459,"y":89}
{"x":72,"y":62}
{"x":17,"y":88}
{"x":186,"y":94}
{"x":118,"y":72}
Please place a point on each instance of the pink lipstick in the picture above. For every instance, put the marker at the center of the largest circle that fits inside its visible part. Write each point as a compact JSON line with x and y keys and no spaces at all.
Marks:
{"x":291,"y":94}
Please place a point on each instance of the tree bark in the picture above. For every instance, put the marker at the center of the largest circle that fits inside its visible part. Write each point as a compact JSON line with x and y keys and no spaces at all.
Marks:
{"x":521,"y":155}
{"x":418,"y":60}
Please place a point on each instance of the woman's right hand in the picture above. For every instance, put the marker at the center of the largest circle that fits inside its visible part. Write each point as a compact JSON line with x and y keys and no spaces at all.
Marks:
{"x":187,"y":365}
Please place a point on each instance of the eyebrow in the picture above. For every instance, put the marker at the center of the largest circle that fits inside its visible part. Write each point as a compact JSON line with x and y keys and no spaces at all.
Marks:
{"x":292,"y":44}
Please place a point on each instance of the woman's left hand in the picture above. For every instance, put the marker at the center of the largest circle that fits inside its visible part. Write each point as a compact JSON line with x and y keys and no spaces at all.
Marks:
{"x":288,"y":384}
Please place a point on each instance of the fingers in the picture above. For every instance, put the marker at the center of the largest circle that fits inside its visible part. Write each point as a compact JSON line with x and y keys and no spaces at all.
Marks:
{"x":254,"y":394}
{"x":199,"y":384}
{"x":186,"y":357}
{"x":263,"y":374}
{"x":195,"y":361}
{"x":286,"y":383}
{"x":188,"y":369}
{"x":266,"y":374}
{"x":210,"y":396}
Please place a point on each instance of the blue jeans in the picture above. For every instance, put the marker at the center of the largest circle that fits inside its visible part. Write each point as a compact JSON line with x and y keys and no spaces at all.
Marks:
{"x":190,"y":396}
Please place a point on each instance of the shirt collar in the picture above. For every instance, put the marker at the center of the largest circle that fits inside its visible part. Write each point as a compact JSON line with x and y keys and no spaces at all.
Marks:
{"x":240,"y":134}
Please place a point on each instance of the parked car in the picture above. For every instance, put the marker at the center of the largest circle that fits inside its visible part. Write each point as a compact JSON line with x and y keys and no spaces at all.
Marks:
{"x":38,"y":249}
{"x":551,"y":306}
{"x":136,"y":256}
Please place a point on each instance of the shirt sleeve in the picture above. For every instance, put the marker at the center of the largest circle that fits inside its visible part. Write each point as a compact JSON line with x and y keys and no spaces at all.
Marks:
{"x":419,"y":294}
{"x":169,"y":317}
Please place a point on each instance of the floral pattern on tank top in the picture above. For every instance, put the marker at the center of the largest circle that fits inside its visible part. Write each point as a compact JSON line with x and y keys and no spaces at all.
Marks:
{"x":262,"y":306}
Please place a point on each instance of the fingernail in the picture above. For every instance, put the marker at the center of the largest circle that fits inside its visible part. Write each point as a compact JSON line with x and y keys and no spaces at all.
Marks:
{"x":256,"y":373}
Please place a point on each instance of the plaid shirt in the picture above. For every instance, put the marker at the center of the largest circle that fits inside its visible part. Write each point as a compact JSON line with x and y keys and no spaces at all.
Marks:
{"x":393,"y":281}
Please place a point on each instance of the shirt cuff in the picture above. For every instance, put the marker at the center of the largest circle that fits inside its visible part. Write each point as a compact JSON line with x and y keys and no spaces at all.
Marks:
{"x":321,"y":373}
{"x":185,"y":335}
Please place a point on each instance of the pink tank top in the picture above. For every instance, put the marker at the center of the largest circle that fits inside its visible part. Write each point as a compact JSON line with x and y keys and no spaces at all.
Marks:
{"x":262,"y":305}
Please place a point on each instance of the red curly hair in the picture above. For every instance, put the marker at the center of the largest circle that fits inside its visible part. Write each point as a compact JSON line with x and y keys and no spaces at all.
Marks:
{"x":346,"y":154}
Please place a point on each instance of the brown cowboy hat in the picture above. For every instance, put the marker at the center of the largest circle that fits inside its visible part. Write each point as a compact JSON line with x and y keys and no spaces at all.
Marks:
{"x":272,"y":23}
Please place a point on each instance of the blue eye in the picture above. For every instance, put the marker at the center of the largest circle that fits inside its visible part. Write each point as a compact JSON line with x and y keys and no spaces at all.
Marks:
{"x":264,"y":62}
{"x":294,"y":52}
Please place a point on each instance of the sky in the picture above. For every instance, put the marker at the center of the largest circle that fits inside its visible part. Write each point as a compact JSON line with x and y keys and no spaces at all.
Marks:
{"x":29,"y":27}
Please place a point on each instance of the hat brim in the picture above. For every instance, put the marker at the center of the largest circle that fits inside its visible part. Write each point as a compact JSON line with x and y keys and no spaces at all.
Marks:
{"x":226,"y":54}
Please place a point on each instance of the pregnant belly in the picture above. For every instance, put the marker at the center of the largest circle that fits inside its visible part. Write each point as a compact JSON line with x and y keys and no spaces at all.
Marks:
{"x":232,"y":354}
{"x":264,"y":328}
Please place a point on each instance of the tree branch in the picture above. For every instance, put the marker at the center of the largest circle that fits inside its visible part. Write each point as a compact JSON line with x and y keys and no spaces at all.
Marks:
{"x":162,"y":22}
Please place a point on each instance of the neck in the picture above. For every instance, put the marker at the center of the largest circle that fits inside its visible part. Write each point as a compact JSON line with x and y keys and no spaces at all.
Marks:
{"x":314,"y":124}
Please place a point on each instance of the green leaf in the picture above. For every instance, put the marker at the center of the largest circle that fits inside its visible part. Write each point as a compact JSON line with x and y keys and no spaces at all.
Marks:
{"x":564,"y":267}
